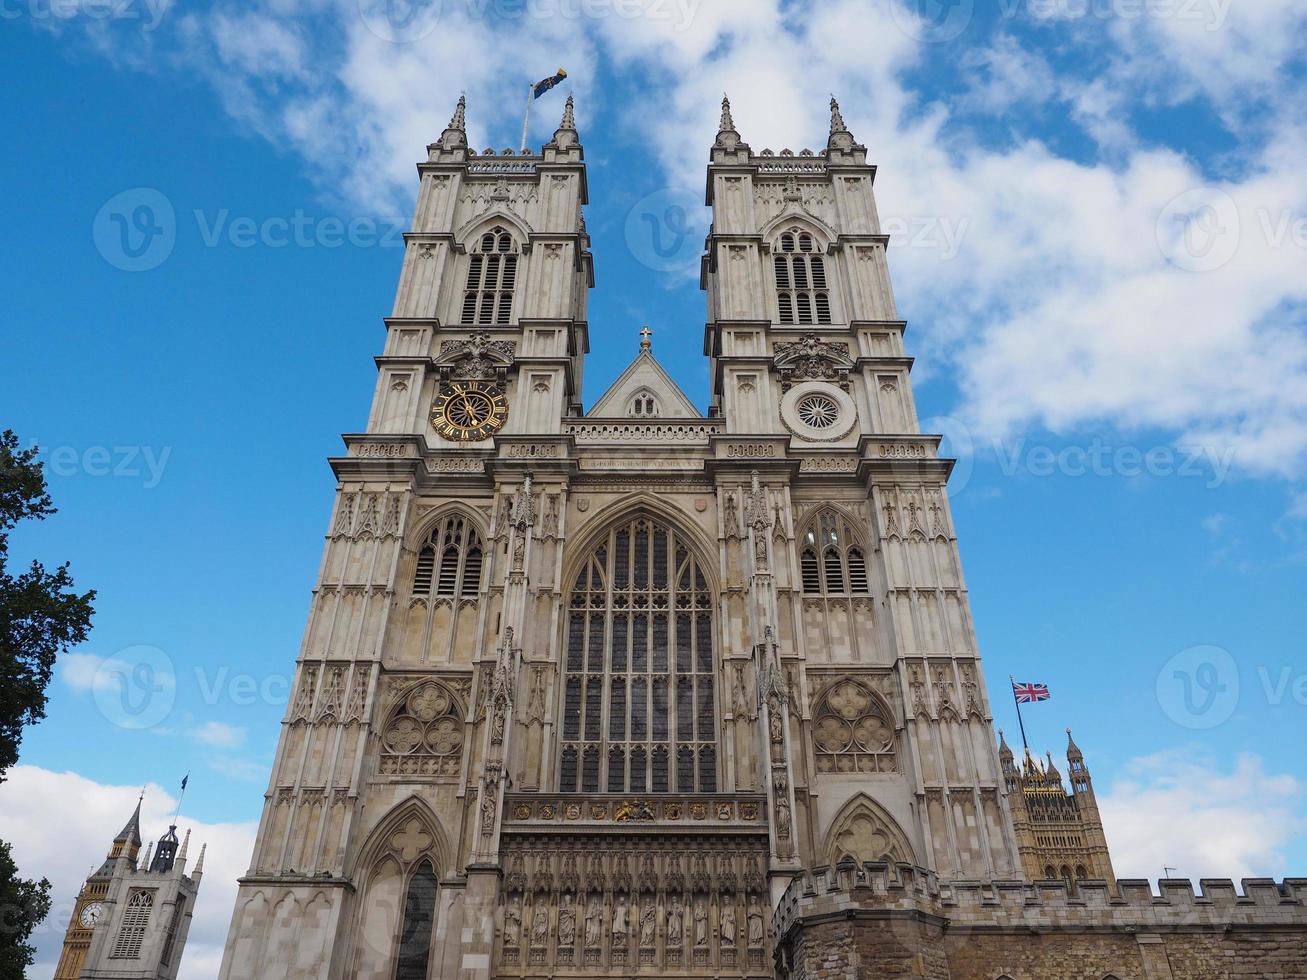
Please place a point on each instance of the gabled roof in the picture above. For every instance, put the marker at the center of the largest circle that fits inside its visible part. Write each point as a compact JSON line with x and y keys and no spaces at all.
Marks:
{"x":644,"y":373}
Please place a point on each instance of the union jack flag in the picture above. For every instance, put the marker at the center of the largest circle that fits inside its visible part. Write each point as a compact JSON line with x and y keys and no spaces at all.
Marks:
{"x":1029,"y":693}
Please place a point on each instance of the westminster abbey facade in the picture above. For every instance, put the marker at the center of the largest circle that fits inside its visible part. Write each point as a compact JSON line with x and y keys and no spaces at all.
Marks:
{"x":642,"y":692}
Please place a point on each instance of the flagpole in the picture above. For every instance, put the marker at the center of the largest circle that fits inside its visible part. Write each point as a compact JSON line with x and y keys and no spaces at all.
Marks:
{"x":181,"y":796}
{"x":526,"y":116}
{"x":1012,"y":682}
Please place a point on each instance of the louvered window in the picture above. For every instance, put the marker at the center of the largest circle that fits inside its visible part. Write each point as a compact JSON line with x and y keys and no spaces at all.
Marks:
{"x":491,"y":279}
{"x":458,"y":572}
{"x":829,"y":559}
{"x":801,"y":292}
{"x":136,"y":919}
{"x":640,"y":669}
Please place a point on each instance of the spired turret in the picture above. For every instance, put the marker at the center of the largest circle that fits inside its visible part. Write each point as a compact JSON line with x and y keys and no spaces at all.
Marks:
{"x":130,"y":921}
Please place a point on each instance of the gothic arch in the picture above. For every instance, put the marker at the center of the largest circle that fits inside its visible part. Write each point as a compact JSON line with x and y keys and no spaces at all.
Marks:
{"x":470,"y":233}
{"x":832,"y":553}
{"x":637,"y":504}
{"x":405,"y":836}
{"x":824,"y":234}
{"x":863,"y":830}
{"x":420,"y":528}
{"x":638,"y":702}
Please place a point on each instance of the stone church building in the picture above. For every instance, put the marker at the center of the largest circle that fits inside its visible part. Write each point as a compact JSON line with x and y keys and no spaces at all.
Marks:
{"x":641,"y":692}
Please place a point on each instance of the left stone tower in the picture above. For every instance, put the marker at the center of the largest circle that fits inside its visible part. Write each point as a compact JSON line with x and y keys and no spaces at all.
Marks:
{"x":131,"y":918}
{"x":377,"y":850}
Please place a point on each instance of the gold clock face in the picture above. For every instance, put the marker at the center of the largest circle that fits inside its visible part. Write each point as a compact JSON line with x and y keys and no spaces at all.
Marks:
{"x":469,"y":411}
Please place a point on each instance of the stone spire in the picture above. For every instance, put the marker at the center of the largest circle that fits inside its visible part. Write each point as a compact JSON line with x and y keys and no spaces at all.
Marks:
{"x":566,"y":135}
{"x":130,"y":835}
{"x":1073,"y":753}
{"x":199,"y":862}
{"x":455,"y":134}
{"x":1004,"y":752}
{"x":181,"y":855}
{"x":727,"y":124}
{"x":840,"y":137}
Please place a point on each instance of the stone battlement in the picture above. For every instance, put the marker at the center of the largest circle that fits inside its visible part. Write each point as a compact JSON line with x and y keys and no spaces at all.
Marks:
{"x":882,"y":887}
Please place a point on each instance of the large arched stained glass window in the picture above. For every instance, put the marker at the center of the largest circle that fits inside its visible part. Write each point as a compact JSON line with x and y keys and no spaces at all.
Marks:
{"x":639,"y":713}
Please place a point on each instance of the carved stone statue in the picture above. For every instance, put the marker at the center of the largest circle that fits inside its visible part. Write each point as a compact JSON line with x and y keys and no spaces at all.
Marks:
{"x":621,"y":924}
{"x":648,"y":924}
{"x":540,"y":924}
{"x":700,"y":924}
{"x":755,"y":924}
{"x":512,"y":924}
{"x":594,"y":923}
{"x":675,"y":923}
{"x":728,"y":925}
{"x":566,"y":922}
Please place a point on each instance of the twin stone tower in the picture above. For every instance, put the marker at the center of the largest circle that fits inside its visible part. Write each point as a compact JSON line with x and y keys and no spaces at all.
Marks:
{"x":639,"y":692}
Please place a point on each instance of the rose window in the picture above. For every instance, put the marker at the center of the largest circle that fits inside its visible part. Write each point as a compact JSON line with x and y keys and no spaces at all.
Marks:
{"x":818,"y":411}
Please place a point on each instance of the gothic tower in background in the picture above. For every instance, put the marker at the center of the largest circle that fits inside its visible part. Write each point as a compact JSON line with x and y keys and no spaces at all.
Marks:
{"x":582,"y":692}
{"x":131,"y":918}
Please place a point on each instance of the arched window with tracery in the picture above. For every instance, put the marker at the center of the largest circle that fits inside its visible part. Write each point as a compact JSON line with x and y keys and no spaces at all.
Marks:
{"x":639,"y":708}
{"x":830,"y":559}
{"x":643,"y":405}
{"x":853,"y":731}
{"x":414,"y":952}
{"x":136,"y":920}
{"x":491,"y":279}
{"x":450,"y":560}
{"x":802,"y":295}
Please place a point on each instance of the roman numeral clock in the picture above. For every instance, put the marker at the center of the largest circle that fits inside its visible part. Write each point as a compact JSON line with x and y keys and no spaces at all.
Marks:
{"x":469,"y":411}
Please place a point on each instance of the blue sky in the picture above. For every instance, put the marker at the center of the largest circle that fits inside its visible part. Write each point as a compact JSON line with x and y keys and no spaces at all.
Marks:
{"x":1100,"y":245}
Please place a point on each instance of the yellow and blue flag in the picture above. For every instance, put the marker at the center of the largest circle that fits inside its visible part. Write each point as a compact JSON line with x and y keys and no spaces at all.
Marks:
{"x":545,"y":84}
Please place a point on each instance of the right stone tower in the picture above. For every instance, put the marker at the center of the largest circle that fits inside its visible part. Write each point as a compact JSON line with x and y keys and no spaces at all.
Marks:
{"x":1059,"y":834}
{"x":895,"y":757}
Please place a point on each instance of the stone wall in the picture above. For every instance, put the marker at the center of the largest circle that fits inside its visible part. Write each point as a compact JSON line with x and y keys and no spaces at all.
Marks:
{"x":878,"y":920}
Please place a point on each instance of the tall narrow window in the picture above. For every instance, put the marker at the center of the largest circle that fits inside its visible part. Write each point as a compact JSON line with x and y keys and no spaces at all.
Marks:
{"x":170,"y":938}
{"x":829,"y":560}
{"x":450,"y":560}
{"x":136,"y":919}
{"x":491,"y":279}
{"x":639,"y":689}
{"x":413,"y":961}
{"x":801,"y":293}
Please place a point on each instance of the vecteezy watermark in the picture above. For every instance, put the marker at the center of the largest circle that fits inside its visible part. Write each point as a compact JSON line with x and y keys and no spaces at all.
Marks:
{"x":933,"y":21}
{"x":136,"y":688}
{"x":660,"y":232}
{"x":407,"y":21}
{"x":144,"y":463}
{"x":1199,"y":229}
{"x":936,"y":233}
{"x":1211,"y":14}
{"x":1198,"y":688}
{"x":1101,"y":458}
{"x":1202,"y":229}
{"x":137,"y":230}
{"x":1288,"y":682}
{"x":149,"y":13}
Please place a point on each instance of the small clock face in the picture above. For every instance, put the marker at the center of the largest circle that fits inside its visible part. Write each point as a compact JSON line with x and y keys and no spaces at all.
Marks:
{"x":91,"y":914}
{"x":469,"y":411}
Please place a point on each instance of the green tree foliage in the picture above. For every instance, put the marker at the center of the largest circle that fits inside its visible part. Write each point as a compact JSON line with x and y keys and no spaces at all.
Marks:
{"x":41,"y":616}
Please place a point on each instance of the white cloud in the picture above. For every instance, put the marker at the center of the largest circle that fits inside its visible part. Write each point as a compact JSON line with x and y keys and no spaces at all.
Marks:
{"x":1219,"y":823}
{"x":87,"y":815}
{"x":87,"y":671}
{"x":1060,"y":310}
{"x":219,"y":735}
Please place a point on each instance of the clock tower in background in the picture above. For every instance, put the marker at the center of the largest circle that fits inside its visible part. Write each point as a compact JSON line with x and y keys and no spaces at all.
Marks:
{"x":131,"y":917}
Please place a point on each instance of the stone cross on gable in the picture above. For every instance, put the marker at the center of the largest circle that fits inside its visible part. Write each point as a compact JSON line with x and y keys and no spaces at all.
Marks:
{"x":645,"y":334}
